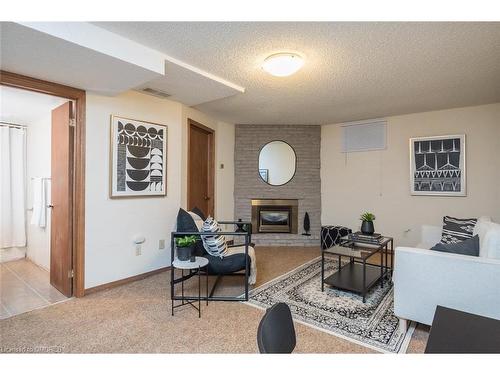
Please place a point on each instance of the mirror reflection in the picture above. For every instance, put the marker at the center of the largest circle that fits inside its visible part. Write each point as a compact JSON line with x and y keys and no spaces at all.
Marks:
{"x":277,"y":163}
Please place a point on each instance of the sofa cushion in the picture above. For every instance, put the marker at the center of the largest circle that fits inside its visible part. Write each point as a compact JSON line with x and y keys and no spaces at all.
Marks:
{"x":491,"y":245}
{"x":197,"y":220}
{"x":467,"y":247}
{"x":457,"y":230}
{"x":200,"y":213}
{"x":185,"y":222}
{"x":481,"y":228}
{"x":214,"y":245}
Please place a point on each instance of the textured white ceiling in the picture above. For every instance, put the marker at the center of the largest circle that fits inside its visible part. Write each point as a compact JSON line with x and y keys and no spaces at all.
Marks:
{"x":352,"y":71}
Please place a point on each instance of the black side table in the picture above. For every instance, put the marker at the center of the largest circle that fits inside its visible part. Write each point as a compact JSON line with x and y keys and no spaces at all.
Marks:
{"x":454,"y":332}
{"x":194,"y":269}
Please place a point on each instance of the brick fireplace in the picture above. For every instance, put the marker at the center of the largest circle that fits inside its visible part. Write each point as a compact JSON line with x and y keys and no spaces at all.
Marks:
{"x":304,"y":188}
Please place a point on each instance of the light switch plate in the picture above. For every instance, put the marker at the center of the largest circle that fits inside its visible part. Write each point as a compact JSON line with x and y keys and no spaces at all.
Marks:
{"x":161,"y":244}
{"x":138,"y":250}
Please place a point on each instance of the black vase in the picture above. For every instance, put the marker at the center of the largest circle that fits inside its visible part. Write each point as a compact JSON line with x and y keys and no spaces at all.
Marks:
{"x":367,"y":227}
{"x":184,"y":253}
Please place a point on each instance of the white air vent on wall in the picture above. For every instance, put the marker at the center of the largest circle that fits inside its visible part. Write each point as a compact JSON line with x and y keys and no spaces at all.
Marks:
{"x":154,"y":92}
{"x":366,"y":135}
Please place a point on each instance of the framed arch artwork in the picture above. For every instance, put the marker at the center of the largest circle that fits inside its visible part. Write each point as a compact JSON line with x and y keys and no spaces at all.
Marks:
{"x":138,"y":161}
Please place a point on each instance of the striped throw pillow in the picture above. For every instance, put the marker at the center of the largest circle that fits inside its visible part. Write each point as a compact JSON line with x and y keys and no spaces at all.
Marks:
{"x":457,"y":230}
{"x":214,"y":245}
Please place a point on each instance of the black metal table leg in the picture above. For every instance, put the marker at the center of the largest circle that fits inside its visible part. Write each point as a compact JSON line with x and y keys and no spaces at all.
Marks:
{"x":206,"y":277}
{"x":322,"y":271}
{"x":364,"y":280}
{"x":392,"y":256}
{"x":382,"y":268}
{"x":199,"y":292}
{"x":172,"y":288}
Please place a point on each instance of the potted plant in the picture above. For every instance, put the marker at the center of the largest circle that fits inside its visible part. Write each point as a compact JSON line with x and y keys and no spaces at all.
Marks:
{"x":367,"y":223}
{"x":185,"y":247}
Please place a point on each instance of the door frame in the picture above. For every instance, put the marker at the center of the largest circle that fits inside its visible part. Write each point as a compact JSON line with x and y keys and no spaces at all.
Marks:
{"x":211,"y":163}
{"x":78,"y":209}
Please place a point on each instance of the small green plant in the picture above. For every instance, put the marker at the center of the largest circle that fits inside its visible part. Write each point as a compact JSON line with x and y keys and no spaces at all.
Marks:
{"x":185,"y":241}
{"x":367,"y":216}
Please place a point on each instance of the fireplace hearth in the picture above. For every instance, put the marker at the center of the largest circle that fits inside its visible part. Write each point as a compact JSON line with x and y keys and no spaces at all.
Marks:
{"x":274,"y":215}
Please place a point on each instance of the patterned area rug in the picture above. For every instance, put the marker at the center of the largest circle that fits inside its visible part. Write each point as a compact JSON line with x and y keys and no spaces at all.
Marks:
{"x":371,"y":324}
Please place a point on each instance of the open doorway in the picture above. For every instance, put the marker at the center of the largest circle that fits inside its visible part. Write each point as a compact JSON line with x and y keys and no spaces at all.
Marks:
{"x":41,"y":254}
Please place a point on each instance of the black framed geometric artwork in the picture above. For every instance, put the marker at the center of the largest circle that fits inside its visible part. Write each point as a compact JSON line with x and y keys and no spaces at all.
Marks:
{"x":437,"y":165}
{"x":138,"y":158}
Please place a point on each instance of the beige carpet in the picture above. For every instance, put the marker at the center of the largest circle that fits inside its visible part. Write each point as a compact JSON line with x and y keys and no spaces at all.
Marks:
{"x":136,"y":318}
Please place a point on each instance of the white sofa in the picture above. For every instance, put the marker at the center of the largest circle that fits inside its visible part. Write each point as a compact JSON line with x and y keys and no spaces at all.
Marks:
{"x":426,"y":278}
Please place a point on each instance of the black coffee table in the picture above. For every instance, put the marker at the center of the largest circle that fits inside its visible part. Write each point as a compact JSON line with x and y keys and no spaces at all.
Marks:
{"x":357,"y":275}
{"x":454,"y":332}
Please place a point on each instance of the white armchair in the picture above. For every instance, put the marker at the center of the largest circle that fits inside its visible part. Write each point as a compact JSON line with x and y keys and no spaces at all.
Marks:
{"x":425,"y":278}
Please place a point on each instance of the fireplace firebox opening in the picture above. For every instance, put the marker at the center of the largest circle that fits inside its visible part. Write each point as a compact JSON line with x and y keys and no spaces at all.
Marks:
{"x":274,"y":215}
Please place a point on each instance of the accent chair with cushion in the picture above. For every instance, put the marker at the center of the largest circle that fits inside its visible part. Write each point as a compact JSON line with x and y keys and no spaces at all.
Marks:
{"x":424,"y":278}
{"x":238,"y":260}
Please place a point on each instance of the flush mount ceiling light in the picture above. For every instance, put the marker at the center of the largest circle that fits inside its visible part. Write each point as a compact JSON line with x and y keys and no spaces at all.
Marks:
{"x":282,"y":64}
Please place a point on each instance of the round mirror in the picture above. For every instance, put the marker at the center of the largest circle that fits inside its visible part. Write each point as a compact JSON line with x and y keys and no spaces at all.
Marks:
{"x":277,"y":163}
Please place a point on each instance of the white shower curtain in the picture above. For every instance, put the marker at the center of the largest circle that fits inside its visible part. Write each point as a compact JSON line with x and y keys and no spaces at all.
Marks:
{"x":12,"y":187}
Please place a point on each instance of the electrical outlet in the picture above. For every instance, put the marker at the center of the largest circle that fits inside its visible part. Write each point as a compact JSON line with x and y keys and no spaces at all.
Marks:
{"x":138,"y":250}
{"x":161,"y":244}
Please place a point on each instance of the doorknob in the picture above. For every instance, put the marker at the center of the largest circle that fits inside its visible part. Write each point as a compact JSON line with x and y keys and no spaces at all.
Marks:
{"x":50,"y":206}
{"x":207,"y":198}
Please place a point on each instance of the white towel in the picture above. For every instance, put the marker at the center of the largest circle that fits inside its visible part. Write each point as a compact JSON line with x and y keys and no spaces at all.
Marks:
{"x":39,"y":217}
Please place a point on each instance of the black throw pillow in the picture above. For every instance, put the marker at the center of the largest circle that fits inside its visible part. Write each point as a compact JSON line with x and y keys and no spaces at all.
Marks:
{"x":467,"y":247}
{"x":199,"y":212}
{"x":185,"y":222}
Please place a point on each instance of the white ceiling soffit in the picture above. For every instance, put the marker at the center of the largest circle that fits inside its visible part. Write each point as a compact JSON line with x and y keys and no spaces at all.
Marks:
{"x":58,"y":54}
{"x":190,"y":85}
{"x":88,"y":57}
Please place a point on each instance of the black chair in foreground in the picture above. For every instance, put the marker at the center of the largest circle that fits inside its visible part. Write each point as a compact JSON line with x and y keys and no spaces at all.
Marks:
{"x":276,"y":333}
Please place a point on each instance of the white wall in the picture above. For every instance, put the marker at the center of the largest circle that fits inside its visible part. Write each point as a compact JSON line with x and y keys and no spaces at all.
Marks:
{"x":378,"y":181}
{"x":224,"y":154}
{"x":111,"y":224}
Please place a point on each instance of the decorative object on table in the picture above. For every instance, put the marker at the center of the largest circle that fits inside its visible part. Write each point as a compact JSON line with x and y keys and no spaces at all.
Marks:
{"x":340,"y":313}
{"x":138,"y":158}
{"x":374,"y":238}
{"x":215,"y":244}
{"x":367,"y":223}
{"x":240,"y":226}
{"x":437,"y":165}
{"x":185,"y":248}
{"x":457,"y":230}
{"x":331,"y":235}
{"x":264,"y":174}
{"x":307,"y":225}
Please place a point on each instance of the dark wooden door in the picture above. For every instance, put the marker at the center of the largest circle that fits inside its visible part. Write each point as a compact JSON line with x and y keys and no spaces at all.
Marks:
{"x":201,"y":168}
{"x":61,"y":237}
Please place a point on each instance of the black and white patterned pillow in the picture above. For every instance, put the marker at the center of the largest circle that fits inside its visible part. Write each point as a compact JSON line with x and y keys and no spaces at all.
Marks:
{"x":457,"y":230}
{"x":214,"y":245}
